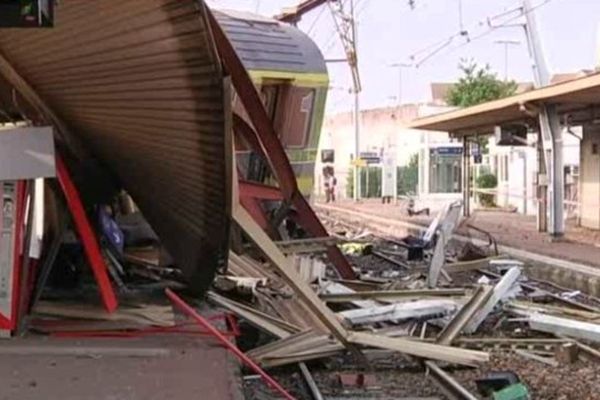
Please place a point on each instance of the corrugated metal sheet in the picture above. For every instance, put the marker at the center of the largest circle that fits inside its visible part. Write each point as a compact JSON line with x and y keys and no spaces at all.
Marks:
{"x":266,"y":44}
{"x":140,"y":83}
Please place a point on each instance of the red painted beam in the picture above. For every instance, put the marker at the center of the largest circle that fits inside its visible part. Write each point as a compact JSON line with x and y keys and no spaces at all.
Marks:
{"x":87,"y":236}
{"x":259,"y":191}
{"x":186,"y":308}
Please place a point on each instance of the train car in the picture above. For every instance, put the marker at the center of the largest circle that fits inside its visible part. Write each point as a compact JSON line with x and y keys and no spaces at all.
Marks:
{"x":289,"y":70}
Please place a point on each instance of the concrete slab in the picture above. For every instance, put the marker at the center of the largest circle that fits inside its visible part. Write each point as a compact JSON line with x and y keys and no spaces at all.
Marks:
{"x":193,"y":367}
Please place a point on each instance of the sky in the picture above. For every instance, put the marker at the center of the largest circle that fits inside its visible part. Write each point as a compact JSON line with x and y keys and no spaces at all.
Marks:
{"x":390,"y":31}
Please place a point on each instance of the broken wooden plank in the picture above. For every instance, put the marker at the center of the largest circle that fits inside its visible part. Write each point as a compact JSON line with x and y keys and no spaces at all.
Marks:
{"x":564,"y":326}
{"x":438,"y":259}
{"x":285,"y":268}
{"x":292,"y":343}
{"x":304,"y":346}
{"x":448,"y":218}
{"x":529,"y":308}
{"x":144,"y":314}
{"x":464,"y":315}
{"x":272,"y":325}
{"x":392,"y":296}
{"x":421,"y":349}
{"x":400,"y":311}
{"x":531,"y":356}
{"x":500,"y":291}
{"x":390,"y":260}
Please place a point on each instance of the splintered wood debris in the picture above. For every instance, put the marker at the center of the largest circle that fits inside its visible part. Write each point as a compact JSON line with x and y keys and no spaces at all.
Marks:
{"x":477,"y":308}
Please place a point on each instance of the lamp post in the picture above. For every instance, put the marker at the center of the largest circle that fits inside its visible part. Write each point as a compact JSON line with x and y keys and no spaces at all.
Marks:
{"x":506,"y":43}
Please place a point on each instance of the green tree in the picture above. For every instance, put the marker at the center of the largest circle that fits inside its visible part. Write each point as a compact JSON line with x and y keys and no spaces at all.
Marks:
{"x":408,"y":176}
{"x":478,"y":85}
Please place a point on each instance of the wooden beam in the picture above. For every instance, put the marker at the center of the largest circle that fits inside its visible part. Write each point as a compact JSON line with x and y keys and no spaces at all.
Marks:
{"x":265,"y":322}
{"x":10,"y":74}
{"x":421,"y":349}
{"x":464,"y":315}
{"x":564,"y":326}
{"x":531,"y":356}
{"x":284,"y":266}
{"x":392,"y":296}
{"x":508,"y":280}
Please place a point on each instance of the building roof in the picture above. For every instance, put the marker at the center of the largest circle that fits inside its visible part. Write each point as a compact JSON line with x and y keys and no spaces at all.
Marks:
{"x":570,"y":96}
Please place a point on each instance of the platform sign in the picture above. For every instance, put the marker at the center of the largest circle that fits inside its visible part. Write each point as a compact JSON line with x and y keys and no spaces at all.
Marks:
{"x":26,"y":13}
{"x":359,"y":163}
{"x":446,"y":151}
{"x":370,"y":157}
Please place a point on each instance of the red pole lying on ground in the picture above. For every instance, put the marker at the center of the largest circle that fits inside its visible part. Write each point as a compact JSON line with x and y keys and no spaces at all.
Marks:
{"x":230,"y":346}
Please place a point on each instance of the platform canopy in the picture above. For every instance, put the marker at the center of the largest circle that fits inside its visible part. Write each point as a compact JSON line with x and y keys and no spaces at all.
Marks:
{"x":577,"y":98}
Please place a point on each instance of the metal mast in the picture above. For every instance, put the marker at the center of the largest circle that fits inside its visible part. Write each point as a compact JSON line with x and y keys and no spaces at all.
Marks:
{"x":344,"y":17}
{"x":552,"y":179}
{"x":345,"y":25}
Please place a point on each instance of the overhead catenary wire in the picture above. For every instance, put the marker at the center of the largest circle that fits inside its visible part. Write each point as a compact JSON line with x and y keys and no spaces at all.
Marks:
{"x":505,"y":24}
{"x":437,"y":47}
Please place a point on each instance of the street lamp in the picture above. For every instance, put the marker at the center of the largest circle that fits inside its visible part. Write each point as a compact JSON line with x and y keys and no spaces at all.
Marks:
{"x":506,"y":43}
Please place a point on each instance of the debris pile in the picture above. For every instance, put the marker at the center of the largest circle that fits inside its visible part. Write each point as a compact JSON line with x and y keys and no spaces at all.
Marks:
{"x":460,"y":324}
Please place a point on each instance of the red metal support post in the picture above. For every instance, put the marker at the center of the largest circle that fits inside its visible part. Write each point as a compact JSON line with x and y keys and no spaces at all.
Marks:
{"x":87,"y":236}
{"x":259,"y":191}
{"x":186,"y":308}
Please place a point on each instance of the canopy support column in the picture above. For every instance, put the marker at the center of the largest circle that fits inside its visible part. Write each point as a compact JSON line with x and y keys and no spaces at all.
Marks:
{"x":466,"y":177}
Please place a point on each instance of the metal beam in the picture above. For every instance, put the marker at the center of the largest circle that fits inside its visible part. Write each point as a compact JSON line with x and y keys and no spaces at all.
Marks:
{"x":466,"y":178}
{"x":549,"y":124}
{"x":295,"y":13}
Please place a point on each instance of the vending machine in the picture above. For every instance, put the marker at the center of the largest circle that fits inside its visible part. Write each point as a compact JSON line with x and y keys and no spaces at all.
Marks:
{"x":26,"y":155}
{"x":11,"y":208}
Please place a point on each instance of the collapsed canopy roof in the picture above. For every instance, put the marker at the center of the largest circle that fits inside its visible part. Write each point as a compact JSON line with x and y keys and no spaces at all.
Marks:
{"x":140,"y":85}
